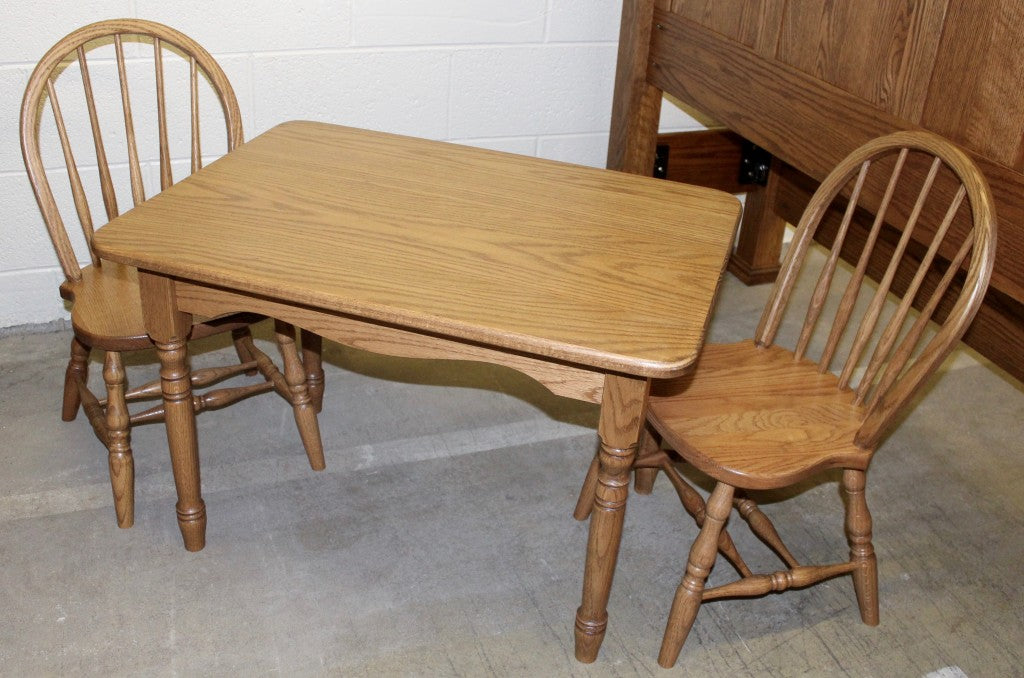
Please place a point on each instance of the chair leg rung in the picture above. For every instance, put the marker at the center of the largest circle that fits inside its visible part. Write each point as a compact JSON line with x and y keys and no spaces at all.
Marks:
{"x":764,"y":529}
{"x":694,"y":505}
{"x":222,"y":397}
{"x":761,"y":584}
{"x":210,"y":400}
{"x":199,"y":379}
{"x":94,"y":412}
{"x":270,"y":371}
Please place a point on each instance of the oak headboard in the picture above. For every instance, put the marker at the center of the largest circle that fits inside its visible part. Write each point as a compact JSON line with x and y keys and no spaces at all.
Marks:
{"x":810,"y":80}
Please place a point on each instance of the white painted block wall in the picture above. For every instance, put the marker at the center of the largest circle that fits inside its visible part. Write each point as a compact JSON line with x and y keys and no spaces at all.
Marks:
{"x":532,"y":77}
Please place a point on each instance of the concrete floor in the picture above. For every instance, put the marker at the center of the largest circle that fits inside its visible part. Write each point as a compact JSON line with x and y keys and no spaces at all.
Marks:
{"x":439,"y":541}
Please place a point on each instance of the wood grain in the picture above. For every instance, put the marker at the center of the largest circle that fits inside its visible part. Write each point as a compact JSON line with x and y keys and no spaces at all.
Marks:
{"x":975,"y":93}
{"x":880,"y":52}
{"x":169,"y":329}
{"x":549,"y":259}
{"x":622,"y":420}
{"x":571,"y":381}
{"x":135,"y":170}
{"x":425,"y":249}
{"x":77,"y":372}
{"x":708,"y":158}
{"x":759,"y":242}
{"x":774,"y":102}
{"x":637,"y":105}
{"x":689,"y":595}
{"x":754,"y":23}
{"x":118,"y":440}
{"x":303,"y":406}
{"x":862,"y":552}
{"x":32,"y":109}
{"x":840,"y":75}
{"x":757,"y":419}
{"x":741,"y":90}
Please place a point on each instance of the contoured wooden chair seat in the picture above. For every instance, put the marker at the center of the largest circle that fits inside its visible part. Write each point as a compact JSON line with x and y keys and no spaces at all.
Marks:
{"x":107,"y":311}
{"x":116,"y":326}
{"x":755,"y":417}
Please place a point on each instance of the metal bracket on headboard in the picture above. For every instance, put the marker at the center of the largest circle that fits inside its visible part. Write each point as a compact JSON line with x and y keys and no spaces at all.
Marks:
{"x":755,"y":163}
{"x":661,"y":161}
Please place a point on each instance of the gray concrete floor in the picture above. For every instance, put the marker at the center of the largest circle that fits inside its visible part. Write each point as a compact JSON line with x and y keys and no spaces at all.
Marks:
{"x":439,"y":541}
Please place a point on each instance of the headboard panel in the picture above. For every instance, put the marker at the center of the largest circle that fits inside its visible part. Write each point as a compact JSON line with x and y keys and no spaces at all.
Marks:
{"x":810,"y":80}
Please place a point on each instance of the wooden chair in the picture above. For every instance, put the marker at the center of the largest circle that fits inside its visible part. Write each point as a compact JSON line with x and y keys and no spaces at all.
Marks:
{"x":753,"y":415}
{"x":106,"y":314}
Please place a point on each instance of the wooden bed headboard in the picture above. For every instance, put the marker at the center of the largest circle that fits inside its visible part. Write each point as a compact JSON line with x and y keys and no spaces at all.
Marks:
{"x":810,"y":80}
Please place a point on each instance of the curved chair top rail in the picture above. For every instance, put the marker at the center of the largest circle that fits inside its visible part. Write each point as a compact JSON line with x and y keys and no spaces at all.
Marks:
{"x":41,"y":87}
{"x":890,"y":357}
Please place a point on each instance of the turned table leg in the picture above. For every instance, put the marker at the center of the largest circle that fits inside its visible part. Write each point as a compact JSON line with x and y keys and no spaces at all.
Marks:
{"x":302,"y":399}
{"x":169,"y":330}
{"x":622,"y":418}
{"x":312,"y":350}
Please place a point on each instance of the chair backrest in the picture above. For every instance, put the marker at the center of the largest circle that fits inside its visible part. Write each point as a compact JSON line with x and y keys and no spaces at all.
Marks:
{"x":173,"y":63}
{"x":941,"y":208}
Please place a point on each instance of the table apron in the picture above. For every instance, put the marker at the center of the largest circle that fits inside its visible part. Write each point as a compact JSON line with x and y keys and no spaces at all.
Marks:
{"x":571,"y":381}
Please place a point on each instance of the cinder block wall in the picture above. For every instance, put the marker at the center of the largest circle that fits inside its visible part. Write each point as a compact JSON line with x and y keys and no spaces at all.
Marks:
{"x":532,"y":77}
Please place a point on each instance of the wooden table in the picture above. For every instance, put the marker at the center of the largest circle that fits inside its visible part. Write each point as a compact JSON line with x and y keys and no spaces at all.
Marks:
{"x":593,"y":282}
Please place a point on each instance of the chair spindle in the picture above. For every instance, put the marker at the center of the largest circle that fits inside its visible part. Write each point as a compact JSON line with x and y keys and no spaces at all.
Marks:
{"x":763,"y":528}
{"x":135,"y":170}
{"x":193,"y":86}
{"x":106,"y":182}
{"x":850,"y":295}
{"x":694,"y":504}
{"x":777,"y":582}
{"x":853,"y":287}
{"x":825,"y":279}
{"x":870,"y":319}
{"x":906,"y":347}
{"x":77,"y":191}
{"x":166,"y":177}
{"x":892,"y":330}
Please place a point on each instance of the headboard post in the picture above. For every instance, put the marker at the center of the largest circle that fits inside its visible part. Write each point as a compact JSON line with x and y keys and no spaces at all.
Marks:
{"x":637,"y":104}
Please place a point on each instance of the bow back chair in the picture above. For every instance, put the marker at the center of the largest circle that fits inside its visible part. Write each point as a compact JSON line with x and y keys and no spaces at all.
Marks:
{"x":754,"y":415}
{"x":106,"y":312}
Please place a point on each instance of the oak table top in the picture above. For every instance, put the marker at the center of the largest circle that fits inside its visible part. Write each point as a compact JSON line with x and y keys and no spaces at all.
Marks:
{"x":591,"y":281}
{"x":584,"y":265}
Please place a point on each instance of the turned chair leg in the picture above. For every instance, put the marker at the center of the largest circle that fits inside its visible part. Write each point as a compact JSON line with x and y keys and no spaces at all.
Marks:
{"x":643,"y":478}
{"x":76,"y":372}
{"x":858,"y":534}
{"x":305,"y":412}
{"x":691,"y":589}
{"x":585,"y":500}
{"x":312,"y":350}
{"x":119,"y":451}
